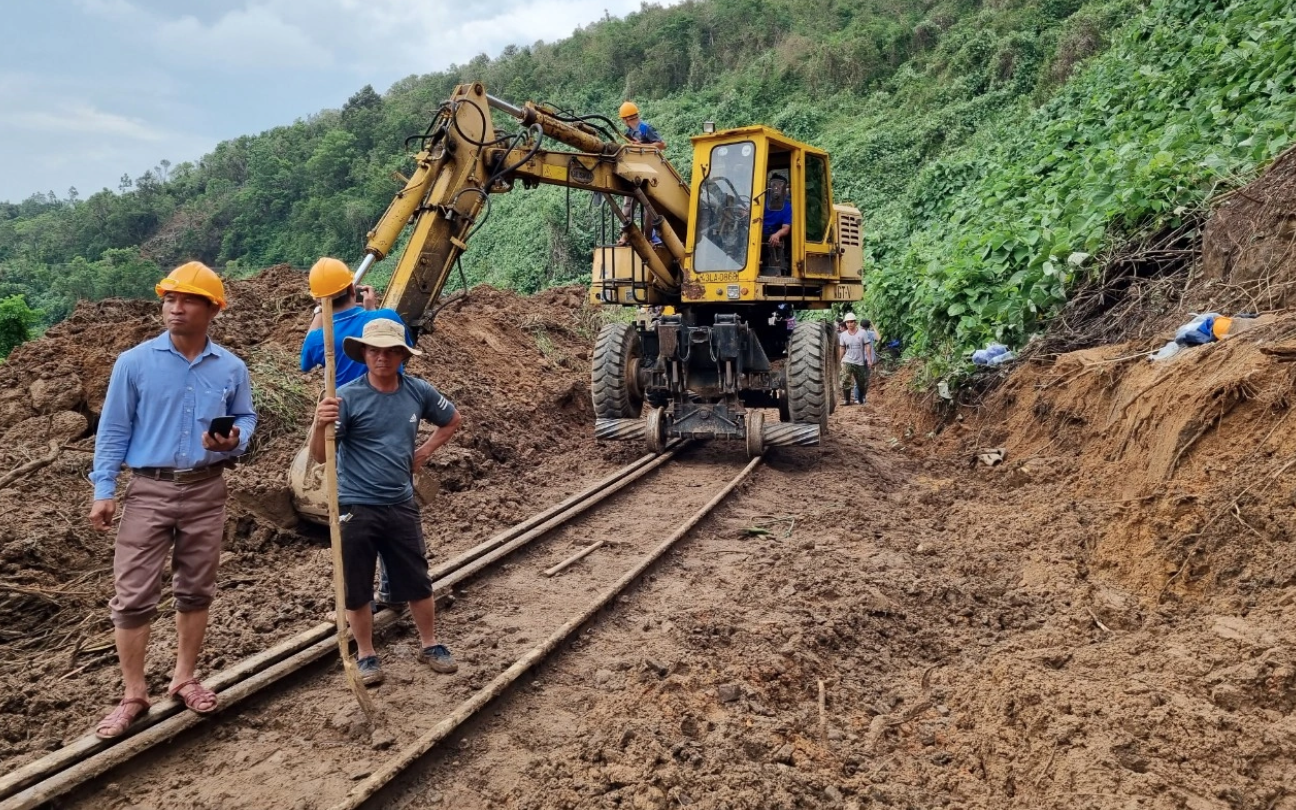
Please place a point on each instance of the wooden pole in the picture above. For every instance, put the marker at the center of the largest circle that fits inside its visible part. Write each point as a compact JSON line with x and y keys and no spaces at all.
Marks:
{"x":335,"y":524}
{"x":573,"y":558}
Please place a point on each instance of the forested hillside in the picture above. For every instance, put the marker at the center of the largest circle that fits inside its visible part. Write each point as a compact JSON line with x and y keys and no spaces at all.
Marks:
{"x":996,"y":148}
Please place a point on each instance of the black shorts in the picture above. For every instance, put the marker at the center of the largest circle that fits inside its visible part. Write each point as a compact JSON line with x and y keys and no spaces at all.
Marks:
{"x":396,"y":533}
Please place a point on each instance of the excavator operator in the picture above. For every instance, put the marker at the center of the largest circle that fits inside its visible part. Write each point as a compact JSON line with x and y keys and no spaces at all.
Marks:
{"x":776,"y":224}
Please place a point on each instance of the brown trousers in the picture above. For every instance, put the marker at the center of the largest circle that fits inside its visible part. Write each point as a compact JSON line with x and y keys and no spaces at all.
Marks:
{"x":187,"y":520}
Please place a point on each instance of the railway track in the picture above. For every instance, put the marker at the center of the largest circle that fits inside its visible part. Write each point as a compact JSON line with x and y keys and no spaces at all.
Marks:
{"x":84,"y":760}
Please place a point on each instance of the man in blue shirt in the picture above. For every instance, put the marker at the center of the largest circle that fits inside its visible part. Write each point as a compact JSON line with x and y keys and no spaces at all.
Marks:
{"x":639,"y":131}
{"x":349,"y":317}
{"x":158,"y":418}
{"x":377,"y":418}
{"x":776,"y":224}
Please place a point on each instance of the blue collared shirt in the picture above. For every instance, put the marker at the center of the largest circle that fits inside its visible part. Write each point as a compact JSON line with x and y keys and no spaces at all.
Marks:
{"x":159,"y":404}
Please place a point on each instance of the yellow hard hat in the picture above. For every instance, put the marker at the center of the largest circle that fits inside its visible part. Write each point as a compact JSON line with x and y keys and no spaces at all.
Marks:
{"x":329,"y":277}
{"x":194,"y":278}
{"x":668,"y":310}
{"x":628,"y":109}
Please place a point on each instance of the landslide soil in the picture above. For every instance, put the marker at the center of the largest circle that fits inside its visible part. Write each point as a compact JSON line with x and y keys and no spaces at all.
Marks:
{"x":1102,"y":620}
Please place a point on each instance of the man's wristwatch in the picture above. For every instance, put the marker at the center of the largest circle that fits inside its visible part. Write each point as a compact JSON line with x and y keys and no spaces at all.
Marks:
{"x":318,"y":309}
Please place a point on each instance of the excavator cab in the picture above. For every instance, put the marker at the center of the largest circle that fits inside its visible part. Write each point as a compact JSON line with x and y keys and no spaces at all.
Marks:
{"x":747,"y":182}
{"x":728,"y":353}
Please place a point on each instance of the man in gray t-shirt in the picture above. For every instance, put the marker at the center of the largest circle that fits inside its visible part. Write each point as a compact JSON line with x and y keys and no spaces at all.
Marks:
{"x":377,"y":417}
{"x":856,"y":358}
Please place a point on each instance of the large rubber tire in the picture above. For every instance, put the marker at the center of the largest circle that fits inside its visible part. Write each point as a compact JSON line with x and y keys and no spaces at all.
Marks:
{"x":832,"y":367}
{"x":809,"y":398}
{"x":616,"y":359}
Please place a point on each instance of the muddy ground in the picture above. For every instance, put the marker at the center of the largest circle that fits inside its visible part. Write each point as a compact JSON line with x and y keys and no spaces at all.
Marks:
{"x":1101,"y":620}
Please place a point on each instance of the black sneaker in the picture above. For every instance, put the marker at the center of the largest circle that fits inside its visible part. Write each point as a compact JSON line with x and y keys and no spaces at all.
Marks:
{"x":438,"y":658}
{"x":371,"y":673}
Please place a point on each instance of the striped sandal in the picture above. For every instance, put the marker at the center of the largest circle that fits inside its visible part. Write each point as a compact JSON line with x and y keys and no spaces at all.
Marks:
{"x":196,"y":697}
{"x":121,"y":718}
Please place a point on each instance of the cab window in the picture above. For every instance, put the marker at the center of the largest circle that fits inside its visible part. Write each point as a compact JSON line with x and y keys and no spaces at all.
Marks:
{"x":817,"y":215}
{"x":724,"y":209}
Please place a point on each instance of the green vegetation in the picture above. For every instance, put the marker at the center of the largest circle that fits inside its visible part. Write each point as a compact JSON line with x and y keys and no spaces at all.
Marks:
{"x":16,"y":322}
{"x":996,"y":148}
{"x":1191,"y":96}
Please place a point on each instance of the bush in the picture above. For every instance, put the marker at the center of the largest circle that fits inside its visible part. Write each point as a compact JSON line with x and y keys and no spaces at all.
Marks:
{"x":16,"y":322}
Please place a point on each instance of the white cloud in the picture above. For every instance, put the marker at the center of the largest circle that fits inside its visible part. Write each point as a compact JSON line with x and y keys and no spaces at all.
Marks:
{"x":256,"y":37}
{"x":84,"y":118}
{"x":139,"y":80}
{"x":395,"y":38}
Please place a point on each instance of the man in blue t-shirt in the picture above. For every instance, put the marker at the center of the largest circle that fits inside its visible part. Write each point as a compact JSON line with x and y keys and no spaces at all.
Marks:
{"x":776,"y":223}
{"x":639,"y":131}
{"x":377,"y":417}
{"x":349,"y":318}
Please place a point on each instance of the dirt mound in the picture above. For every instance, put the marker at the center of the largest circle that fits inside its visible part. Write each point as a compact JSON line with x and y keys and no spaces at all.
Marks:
{"x":517,"y":368}
{"x":1155,"y":499}
{"x":1192,"y":449}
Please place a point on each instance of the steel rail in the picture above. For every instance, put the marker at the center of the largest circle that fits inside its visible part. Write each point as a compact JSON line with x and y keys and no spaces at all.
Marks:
{"x":365,"y":790}
{"x":87,"y":757}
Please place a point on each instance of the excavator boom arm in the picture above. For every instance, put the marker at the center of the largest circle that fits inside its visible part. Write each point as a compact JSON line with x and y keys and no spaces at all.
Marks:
{"x":464,"y":159}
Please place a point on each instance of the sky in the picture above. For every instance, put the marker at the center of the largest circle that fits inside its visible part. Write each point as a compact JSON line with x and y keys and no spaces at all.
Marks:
{"x":94,"y":89}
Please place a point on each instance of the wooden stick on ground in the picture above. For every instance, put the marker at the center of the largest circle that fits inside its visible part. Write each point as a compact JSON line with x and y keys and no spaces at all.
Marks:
{"x":573,"y":558}
{"x":31,"y":466}
{"x":335,"y":525}
{"x":823,"y":715}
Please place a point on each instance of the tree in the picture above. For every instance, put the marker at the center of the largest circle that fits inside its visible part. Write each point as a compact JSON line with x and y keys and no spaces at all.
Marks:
{"x":16,"y":321}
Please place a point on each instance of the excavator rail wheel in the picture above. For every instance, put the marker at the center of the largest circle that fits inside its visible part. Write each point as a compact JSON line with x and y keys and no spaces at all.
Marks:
{"x":755,"y":425}
{"x":655,"y":430}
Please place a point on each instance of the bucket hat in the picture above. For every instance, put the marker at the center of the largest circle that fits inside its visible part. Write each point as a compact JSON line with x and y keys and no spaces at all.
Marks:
{"x":381,"y":333}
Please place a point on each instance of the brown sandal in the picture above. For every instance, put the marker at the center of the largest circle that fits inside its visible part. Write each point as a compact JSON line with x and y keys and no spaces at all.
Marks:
{"x":196,"y":697}
{"x":121,"y":718}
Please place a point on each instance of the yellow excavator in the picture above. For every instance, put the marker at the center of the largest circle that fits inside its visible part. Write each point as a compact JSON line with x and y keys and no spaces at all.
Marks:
{"x":719,"y":343}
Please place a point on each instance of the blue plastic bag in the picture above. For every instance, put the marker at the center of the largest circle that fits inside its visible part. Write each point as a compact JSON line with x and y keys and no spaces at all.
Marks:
{"x":1197,"y":331}
{"x":992,"y":355}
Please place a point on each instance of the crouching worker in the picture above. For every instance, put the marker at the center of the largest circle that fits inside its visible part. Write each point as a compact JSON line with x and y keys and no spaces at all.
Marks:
{"x":377,"y":417}
{"x":160,"y":417}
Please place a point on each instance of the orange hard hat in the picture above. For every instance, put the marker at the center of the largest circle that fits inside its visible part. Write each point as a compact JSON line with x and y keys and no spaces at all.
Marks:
{"x":194,"y":278}
{"x":329,"y":277}
{"x":628,"y":109}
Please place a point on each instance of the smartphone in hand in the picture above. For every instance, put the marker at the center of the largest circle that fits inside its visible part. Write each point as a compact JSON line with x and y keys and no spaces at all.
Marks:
{"x":221,"y":427}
